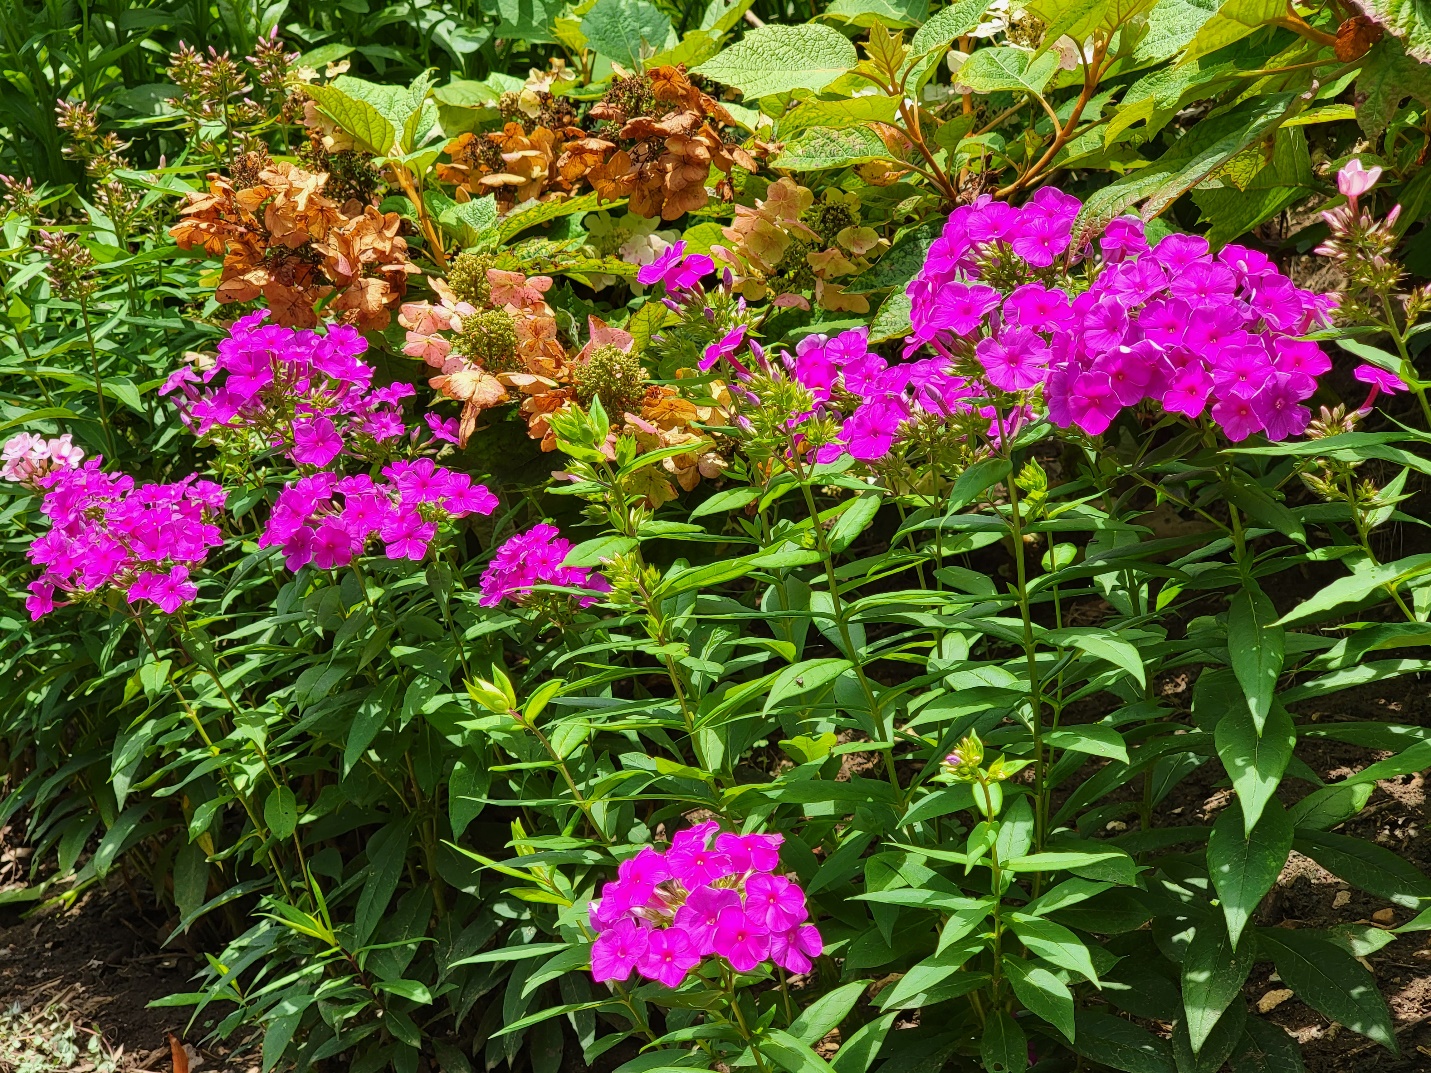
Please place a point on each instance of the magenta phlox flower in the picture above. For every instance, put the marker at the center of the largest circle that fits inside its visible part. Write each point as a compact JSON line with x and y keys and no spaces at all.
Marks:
{"x":1093,"y":403}
{"x":666,"y":912}
{"x":1176,"y":252}
{"x":1244,"y":368}
{"x":774,"y":902}
{"x":870,"y":431}
{"x":1379,"y":378}
{"x":1123,"y":238}
{"x":534,"y":558}
{"x":1278,"y":407}
{"x":1237,"y":415}
{"x":1105,"y":326}
{"x":795,"y":950}
{"x":327,"y":520}
{"x":669,"y":957}
{"x":1014,"y":360}
{"x":1188,"y":392}
{"x":725,"y":347}
{"x":618,"y":950}
{"x":304,"y":392}
{"x":109,"y":533}
{"x":675,"y":268}
{"x":962,"y":307}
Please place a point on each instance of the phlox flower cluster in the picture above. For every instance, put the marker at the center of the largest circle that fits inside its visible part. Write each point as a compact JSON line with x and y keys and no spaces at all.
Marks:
{"x":300,"y":391}
{"x":882,"y":400}
{"x":1172,"y":323}
{"x":26,"y":457}
{"x":533,"y":558}
{"x":666,"y":912}
{"x":327,"y":520}
{"x":107,"y":533}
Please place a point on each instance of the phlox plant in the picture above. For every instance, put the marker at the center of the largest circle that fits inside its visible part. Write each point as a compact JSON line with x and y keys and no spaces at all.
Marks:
{"x":825,"y":706}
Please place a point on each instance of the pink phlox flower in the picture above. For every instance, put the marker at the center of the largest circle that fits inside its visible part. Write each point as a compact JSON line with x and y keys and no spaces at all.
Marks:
{"x":795,"y":950}
{"x":1243,"y":368}
{"x":669,"y":956}
{"x":962,"y":307}
{"x":1188,"y":392}
{"x":315,"y":442}
{"x":618,"y":950}
{"x":1014,"y":360}
{"x":1237,"y":416}
{"x":675,"y":268}
{"x":1279,"y":409}
{"x":1354,"y":180}
{"x":725,"y":347}
{"x":1379,"y":378}
{"x":1105,"y":325}
{"x":775,"y":902}
{"x":1093,"y":403}
{"x":1123,"y":238}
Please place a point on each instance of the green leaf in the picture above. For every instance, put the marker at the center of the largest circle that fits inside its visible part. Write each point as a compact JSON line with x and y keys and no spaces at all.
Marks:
{"x":1118,"y":1044}
{"x":1255,"y":646}
{"x":1214,"y":971}
{"x":1366,"y":866}
{"x":935,"y":979}
{"x":368,"y":719}
{"x":529,"y":20}
{"x":471,"y":222}
{"x":1356,"y":587}
{"x":1255,"y":764}
{"x":1006,"y":69}
{"x":849,"y":112}
{"x":1054,"y":943}
{"x":1234,"y":20}
{"x":804,"y":678}
{"x":823,"y":148}
{"x":280,"y":812}
{"x":779,"y":59}
{"x":824,"y":1015}
{"x":1101,"y":644}
{"x":1207,"y":146}
{"x":1265,"y":1048}
{"x":1243,"y":865}
{"x":600,"y":549}
{"x":1095,"y":739}
{"x":1005,"y":1048}
{"x":386,"y":852}
{"x":854,"y":520}
{"x":1079,"y":19}
{"x":894,"y":13}
{"x":791,"y":1054}
{"x":618,"y":30}
{"x":950,"y":22}
{"x":859,"y":1052}
{"x":412,"y":990}
{"x":1041,"y":992}
{"x":1329,"y":980}
{"x":191,"y":879}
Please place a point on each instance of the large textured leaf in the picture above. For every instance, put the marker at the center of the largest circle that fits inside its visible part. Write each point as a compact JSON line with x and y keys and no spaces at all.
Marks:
{"x":1388,"y":76}
{"x":1234,"y":20}
{"x":621,"y":29}
{"x":1407,"y":20}
{"x":1007,"y":69}
{"x":1244,"y":866}
{"x":374,"y":131}
{"x":1330,"y":980}
{"x":1192,"y":159}
{"x":778,"y":59}
{"x":897,"y":13}
{"x":823,"y":148}
{"x":849,"y":112}
{"x":950,"y":22}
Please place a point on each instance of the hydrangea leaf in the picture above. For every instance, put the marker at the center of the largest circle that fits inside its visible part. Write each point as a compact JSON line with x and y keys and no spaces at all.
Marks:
{"x":780,"y":59}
